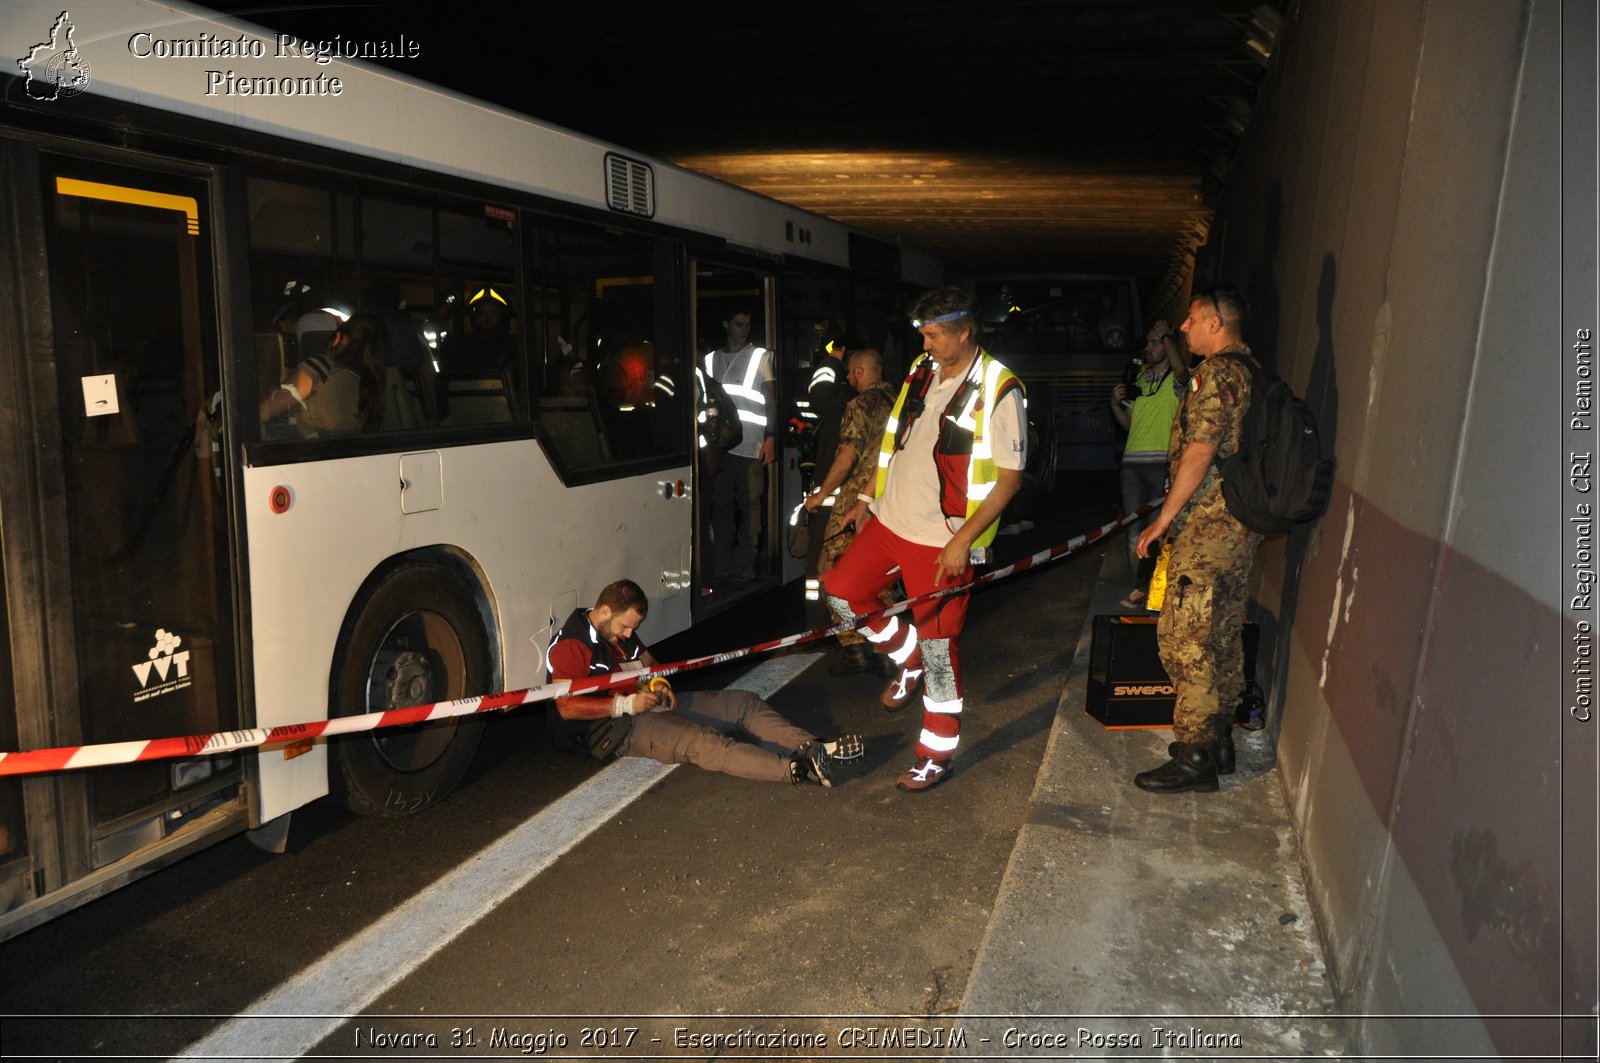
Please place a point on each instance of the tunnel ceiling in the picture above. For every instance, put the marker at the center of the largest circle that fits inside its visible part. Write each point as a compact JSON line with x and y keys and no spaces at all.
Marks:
{"x":999,"y":135}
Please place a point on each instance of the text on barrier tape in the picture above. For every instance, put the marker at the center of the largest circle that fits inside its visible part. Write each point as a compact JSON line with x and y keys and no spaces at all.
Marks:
{"x":63,"y":758}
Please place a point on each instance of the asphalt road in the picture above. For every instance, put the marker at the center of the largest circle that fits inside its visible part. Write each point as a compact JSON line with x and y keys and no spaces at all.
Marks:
{"x":706,"y":896}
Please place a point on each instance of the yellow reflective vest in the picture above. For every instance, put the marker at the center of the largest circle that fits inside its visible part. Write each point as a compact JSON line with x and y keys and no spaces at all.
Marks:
{"x":963,"y":453}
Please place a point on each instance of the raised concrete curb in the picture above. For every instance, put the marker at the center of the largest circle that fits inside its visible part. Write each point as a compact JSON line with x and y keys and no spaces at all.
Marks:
{"x":1121,"y":912}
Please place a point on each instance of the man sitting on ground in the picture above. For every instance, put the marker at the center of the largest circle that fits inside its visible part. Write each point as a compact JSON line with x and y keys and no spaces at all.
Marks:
{"x":654,"y":722}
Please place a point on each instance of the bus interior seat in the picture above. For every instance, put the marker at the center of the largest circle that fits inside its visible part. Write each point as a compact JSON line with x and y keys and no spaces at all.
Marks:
{"x":403,"y":405}
{"x":478,"y":399}
{"x":572,"y":424}
{"x":314,"y":333}
{"x":272,"y":361}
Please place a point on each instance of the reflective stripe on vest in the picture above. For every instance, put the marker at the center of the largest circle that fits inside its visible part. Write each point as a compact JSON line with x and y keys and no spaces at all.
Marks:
{"x":746,"y":394}
{"x":703,"y":413}
{"x":994,"y":380}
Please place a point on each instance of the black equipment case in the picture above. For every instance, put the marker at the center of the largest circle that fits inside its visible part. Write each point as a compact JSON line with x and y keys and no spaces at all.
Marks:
{"x":1127,"y":685}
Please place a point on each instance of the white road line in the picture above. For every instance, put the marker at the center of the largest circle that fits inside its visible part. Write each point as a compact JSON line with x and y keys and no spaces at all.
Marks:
{"x":342,"y":983}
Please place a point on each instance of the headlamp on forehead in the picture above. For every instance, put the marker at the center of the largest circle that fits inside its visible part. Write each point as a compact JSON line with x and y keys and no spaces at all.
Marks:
{"x":942,"y":319}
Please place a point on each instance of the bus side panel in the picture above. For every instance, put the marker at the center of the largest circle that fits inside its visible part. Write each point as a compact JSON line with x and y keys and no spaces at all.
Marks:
{"x":500,"y":506}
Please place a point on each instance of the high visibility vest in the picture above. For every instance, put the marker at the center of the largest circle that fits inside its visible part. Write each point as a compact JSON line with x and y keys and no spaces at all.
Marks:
{"x":963,"y":452}
{"x":740,"y":375}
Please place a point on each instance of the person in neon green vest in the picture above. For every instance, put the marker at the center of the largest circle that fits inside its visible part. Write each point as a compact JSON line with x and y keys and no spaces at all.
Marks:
{"x":1146,"y":411}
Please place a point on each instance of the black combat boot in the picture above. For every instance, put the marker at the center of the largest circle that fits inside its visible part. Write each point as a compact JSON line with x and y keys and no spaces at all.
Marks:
{"x":1222,"y":751}
{"x":1191,"y":768}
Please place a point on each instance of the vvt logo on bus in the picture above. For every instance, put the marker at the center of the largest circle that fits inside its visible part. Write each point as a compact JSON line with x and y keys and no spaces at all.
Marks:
{"x":167,"y":667}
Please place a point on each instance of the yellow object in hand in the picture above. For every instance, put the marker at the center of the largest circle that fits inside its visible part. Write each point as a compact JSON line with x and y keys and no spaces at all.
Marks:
{"x":1158,"y":579}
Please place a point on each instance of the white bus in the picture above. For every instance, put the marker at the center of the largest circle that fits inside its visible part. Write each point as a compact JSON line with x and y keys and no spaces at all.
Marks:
{"x":172,"y":247}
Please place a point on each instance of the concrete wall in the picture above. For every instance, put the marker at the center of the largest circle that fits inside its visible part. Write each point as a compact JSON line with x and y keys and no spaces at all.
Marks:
{"x":1395,"y":217}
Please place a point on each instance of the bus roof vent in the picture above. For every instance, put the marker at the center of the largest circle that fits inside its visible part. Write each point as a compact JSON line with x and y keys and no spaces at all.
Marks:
{"x":630,"y":186}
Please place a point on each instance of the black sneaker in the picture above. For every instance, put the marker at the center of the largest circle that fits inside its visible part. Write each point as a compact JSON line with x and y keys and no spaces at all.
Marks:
{"x":811,"y":763}
{"x":845,"y":747}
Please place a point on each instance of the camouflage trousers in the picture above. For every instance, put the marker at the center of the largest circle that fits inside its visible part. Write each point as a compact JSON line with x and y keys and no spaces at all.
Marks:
{"x":1201,"y":630}
{"x":835,"y":539}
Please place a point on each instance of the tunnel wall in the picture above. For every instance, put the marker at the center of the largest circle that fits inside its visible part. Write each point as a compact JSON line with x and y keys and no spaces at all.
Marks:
{"x":1394,"y":215}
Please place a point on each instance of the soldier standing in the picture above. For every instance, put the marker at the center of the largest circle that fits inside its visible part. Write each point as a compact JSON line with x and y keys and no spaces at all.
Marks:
{"x":849,"y":476}
{"x":1201,"y":630}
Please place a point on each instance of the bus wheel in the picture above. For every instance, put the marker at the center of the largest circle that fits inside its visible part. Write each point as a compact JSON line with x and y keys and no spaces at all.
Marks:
{"x":419,"y":639}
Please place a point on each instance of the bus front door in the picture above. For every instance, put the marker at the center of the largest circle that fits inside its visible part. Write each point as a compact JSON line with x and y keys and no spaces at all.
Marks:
{"x":132,"y":533}
{"x":736,"y":306}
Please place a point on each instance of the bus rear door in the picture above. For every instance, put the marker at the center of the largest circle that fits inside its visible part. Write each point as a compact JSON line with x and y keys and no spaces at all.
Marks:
{"x":116,"y":555}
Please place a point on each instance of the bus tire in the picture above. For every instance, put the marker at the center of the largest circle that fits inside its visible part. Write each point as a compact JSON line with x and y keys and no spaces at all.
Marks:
{"x":419,"y":639}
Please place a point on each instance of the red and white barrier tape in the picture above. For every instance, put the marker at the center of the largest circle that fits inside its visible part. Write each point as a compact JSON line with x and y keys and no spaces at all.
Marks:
{"x":64,"y":758}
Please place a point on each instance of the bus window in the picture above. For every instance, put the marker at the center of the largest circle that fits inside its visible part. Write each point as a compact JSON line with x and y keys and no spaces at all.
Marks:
{"x":298,"y":235}
{"x":402,"y":301}
{"x":481,"y":364}
{"x":611,"y":372}
{"x":397,"y":286}
{"x":396,"y":236}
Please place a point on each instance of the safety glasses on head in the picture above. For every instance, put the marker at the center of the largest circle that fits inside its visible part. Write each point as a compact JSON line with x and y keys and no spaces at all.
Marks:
{"x":1216,"y":297}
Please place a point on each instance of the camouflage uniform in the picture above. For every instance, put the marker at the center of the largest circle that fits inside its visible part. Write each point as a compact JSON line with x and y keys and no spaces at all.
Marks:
{"x":1201,"y":630}
{"x":862,"y":429}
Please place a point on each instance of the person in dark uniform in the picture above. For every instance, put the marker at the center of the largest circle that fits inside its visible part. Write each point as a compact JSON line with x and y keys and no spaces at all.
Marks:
{"x":829,"y":392}
{"x":486,"y":351}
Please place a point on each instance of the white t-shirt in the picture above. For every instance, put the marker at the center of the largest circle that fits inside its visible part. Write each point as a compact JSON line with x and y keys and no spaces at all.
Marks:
{"x":909,"y":505}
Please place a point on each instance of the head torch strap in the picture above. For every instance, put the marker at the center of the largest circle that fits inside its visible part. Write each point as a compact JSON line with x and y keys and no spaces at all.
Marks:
{"x":942,"y":319}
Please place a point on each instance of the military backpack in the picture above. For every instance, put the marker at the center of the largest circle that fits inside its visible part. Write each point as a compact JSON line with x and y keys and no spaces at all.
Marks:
{"x":1278,"y":479}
